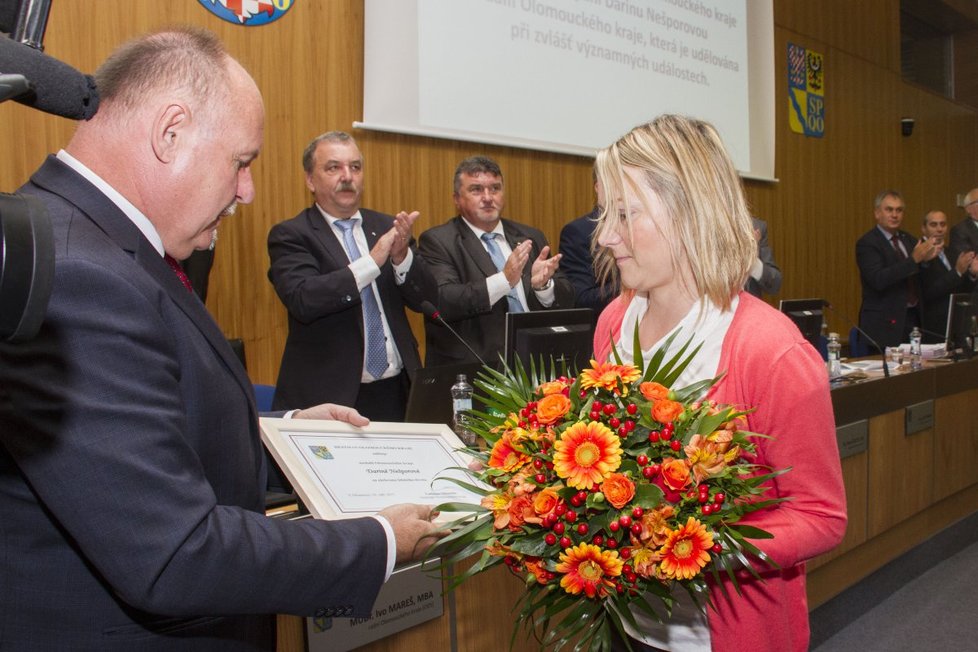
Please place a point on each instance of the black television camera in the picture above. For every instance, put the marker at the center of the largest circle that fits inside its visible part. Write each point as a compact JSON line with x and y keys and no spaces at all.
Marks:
{"x":32,"y":78}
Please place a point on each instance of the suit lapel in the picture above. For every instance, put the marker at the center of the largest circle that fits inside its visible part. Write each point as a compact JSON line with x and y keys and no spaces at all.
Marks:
{"x":56,"y":177}
{"x":474,"y":248}
{"x":324,"y":234}
{"x":514,"y":236}
{"x":371,"y":230}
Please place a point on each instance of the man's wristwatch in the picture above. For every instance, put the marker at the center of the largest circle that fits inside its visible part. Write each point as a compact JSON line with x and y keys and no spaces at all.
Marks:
{"x":550,"y":284}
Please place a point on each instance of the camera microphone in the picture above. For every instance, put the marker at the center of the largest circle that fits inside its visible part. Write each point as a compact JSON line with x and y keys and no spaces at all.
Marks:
{"x":53,"y":87}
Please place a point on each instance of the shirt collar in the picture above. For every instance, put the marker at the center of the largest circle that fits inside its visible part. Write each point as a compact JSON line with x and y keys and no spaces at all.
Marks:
{"x":331,"y":220}
{"x":134,"y":214}
{"x":478,"y":232}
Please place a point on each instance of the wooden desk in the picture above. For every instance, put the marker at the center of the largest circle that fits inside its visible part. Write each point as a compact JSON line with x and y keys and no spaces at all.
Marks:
{"x":902,"y":488}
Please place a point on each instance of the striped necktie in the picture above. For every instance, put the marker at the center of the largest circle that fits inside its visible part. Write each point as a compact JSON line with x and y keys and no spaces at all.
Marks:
{"x":497,"y":259}
{"x":376,"y":356}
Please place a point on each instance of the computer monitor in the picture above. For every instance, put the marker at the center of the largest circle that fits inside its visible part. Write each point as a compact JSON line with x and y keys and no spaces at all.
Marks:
{"x":806,"y":315}
{"x":564,"y":336}
{"x":430,"y":397}
{"x":962,"y":321}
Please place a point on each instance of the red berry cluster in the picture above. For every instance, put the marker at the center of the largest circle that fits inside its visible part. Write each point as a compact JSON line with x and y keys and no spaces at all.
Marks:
{"x":528,"y":416}
{"x":619,"y":419}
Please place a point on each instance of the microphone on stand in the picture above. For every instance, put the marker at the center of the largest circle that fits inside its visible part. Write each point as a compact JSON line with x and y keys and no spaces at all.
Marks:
{"x":886,"y":368}
{"x":431,"y":311}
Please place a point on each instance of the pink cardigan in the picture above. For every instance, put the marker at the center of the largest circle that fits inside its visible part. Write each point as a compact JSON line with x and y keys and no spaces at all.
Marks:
{"x":771,"y":368}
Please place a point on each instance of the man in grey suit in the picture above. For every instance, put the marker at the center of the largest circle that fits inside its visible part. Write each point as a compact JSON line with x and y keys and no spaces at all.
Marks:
{"x":345,"y":273}
{"x":765,"y":275}
{"x":131,"y":469}
{"x":485,"y":267}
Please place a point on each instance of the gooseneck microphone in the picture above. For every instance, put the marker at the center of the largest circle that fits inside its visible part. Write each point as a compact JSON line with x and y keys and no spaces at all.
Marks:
{"x":431,"y":312}
{"x":53,"y":87}
{"x":886,"y":368}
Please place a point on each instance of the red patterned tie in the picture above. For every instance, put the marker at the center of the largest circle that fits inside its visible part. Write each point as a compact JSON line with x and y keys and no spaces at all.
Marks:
{"x":178,"y":270}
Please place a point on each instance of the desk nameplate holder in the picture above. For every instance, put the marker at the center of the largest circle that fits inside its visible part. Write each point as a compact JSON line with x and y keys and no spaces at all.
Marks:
{"x":852,"y":438}
{"x":920,"y":416}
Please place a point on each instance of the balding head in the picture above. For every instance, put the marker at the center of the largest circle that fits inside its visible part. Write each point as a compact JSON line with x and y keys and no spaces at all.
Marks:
{"x":179,"y":123}
{"x":971,"y":203}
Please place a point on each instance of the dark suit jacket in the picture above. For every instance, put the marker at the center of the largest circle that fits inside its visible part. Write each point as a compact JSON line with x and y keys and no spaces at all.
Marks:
{"x":131,"y":469}
{"x":884,"y":276}
{"x":937,"y":283}
{"x":460,"y":265}
{"x":577,"y":264}
{"x":963,"y":237}
{"x":323,"y":358}
{"x":770,"y":282}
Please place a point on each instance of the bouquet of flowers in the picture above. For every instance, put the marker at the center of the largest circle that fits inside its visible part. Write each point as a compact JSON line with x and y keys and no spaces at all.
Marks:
{"x":606,"y":492}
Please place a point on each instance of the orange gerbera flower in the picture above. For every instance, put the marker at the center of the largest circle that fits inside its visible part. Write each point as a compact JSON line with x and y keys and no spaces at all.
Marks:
{"x":684,"y":553}
{"x":586,"y":453}
{"x":505,"y":456}
{"x":606,"y":375}
{"x":588,"y":568}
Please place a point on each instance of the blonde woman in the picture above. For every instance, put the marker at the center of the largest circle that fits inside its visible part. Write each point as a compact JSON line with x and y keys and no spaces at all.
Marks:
{"x":676,"y":233}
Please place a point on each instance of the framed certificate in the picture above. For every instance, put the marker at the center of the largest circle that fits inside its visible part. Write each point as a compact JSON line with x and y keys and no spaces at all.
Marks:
{"x":341,"y":471}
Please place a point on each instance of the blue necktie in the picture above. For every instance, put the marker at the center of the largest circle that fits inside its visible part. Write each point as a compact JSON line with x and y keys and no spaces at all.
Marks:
{"x":374,"y":327}
{"x":497,"y":259}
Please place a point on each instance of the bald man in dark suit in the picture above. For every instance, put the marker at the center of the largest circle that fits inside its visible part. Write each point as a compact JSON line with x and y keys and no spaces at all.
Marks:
{"x":132,"y":475}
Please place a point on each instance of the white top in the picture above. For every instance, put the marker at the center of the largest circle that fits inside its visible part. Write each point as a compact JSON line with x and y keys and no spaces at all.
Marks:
{"x":687,"y":630}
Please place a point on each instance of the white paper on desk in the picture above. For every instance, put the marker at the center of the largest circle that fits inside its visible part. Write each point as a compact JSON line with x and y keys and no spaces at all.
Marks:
{"x":927,"y":351}
{"x":862,"y":365}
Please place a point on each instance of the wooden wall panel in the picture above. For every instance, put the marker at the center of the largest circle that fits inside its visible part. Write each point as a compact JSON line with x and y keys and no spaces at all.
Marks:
{"x":309,"y":67}
{"x":869,"y":29}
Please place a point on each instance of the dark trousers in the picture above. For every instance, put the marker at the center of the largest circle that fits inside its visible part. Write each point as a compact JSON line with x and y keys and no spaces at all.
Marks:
{"x":384,"y":400}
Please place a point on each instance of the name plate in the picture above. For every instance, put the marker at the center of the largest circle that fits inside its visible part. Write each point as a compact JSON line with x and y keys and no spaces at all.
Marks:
{"x":410,"y":597}
{"x":340,"y":471}
{"x":919,"y":417}
{"x":853,"y":438}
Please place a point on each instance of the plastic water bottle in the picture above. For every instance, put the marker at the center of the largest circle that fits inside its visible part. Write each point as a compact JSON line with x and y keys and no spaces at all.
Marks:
{"x":461,"y":404}
{"x":834,"y":363}
{"x":916,"y":360}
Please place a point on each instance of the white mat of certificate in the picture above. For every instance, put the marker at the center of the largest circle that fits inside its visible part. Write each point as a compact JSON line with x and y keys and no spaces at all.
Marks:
{"x":340,"y":471}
